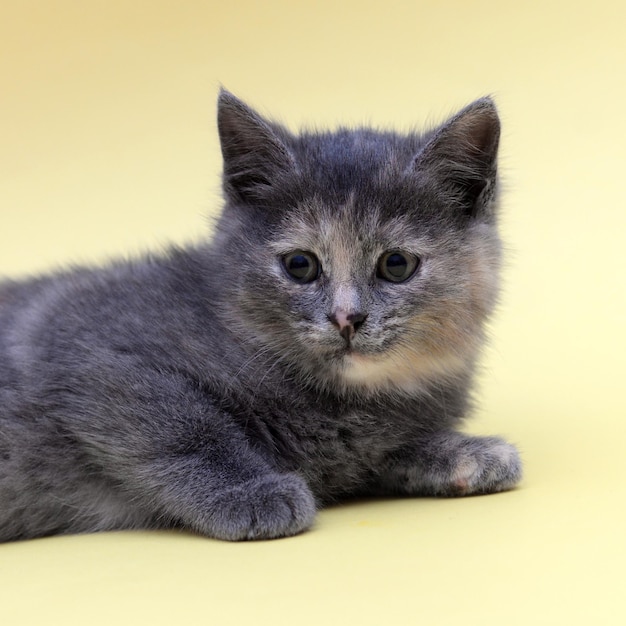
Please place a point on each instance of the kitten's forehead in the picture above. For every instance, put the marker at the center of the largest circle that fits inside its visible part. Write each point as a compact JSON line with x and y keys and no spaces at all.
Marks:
{"x":348,"y":231}
{"x":349,"y":163}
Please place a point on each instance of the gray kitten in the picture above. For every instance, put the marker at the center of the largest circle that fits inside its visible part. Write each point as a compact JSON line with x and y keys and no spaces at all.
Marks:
{"x":321,"y":346}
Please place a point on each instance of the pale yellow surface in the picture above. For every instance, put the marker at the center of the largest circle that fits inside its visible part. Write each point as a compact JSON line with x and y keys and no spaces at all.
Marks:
{"x":108,"y":146}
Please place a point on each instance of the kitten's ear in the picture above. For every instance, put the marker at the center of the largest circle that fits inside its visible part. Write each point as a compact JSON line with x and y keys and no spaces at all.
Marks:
{"x":255,"y":156}
{"x":461,"y":157}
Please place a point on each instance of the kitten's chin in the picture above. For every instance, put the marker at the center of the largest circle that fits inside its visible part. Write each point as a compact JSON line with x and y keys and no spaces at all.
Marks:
{"x":401,"y":371}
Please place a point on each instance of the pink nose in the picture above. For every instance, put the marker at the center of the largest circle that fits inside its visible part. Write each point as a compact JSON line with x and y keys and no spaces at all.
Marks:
{"x":347,"y":323}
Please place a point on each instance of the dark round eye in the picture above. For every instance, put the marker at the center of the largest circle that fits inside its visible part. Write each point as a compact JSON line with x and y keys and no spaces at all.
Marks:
{"x":303,"y":267}
{"x":397,"y":266}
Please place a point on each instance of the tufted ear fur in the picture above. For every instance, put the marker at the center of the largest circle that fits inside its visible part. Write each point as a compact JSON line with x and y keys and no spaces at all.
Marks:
{"x":460,"y":158}
{"x":254,"y":151}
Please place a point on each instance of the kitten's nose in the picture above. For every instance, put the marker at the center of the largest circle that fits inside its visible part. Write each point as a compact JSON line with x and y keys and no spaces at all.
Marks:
{"x":347,"y":323}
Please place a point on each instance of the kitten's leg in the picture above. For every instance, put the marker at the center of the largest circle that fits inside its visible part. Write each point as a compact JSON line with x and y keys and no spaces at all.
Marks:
{"x":172,"y":453}
{"x":243,"y":500}
{"x":453,"y":464}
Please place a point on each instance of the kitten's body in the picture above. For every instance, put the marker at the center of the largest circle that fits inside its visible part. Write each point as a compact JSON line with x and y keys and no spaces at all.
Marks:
{"x":211,"y":389}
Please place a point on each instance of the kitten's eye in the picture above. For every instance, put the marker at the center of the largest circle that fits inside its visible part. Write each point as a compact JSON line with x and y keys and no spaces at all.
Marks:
{"x":303,"y":267}
{"x":397,"y":266}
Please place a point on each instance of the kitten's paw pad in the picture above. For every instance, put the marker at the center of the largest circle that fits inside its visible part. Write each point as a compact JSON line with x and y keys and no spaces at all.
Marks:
{"x":489,"y":465}
{"x":268,"y":507}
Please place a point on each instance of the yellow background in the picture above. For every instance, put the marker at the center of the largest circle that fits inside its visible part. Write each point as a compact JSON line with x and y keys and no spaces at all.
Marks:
{"x":108,"y":146}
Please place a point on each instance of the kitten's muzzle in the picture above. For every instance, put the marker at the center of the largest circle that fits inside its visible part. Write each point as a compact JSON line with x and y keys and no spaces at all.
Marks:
{"x":347,"y":323}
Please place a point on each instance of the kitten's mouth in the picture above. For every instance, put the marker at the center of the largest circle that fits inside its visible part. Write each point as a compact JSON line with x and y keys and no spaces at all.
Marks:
{"x":350,"y":350}
{"x":352,"y":353}
{"x":344,"y":354}
{"x":348,"y":354}
{"x":358,"y":356}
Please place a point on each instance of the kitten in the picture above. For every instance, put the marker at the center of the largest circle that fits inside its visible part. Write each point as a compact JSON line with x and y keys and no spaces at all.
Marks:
{"x":321,"y":346}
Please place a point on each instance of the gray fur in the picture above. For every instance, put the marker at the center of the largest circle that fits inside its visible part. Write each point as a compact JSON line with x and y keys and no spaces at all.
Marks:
{"x":207,"y":389}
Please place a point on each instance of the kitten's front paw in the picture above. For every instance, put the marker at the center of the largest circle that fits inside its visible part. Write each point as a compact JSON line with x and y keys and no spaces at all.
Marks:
{"x":454,"y":464}
{"x":484,"y":465}
{"x":272,"y":506}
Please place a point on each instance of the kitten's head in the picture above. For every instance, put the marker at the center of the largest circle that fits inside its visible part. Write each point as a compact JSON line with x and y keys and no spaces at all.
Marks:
{"x":362,"y":260}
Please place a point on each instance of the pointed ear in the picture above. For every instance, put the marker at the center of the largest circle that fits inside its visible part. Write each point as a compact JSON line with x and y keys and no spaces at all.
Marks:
{"x":461,"y":157}
{"x":255,"y":156}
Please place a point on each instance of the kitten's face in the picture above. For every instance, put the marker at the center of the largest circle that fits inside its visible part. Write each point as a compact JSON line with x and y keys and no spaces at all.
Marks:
{"x":375,"y":305}
{"x":380,"y":281}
